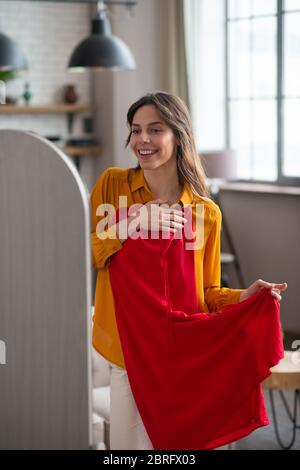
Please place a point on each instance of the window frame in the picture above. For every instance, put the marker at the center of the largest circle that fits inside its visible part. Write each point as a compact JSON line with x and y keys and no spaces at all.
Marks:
{"x":282,"y":180}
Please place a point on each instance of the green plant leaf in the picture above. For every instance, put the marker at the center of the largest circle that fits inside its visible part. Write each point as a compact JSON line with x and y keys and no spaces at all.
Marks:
{"x":5,"y":76}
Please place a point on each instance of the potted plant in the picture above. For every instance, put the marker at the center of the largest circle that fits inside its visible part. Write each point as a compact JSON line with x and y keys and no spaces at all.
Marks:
{"x":6,"y":76}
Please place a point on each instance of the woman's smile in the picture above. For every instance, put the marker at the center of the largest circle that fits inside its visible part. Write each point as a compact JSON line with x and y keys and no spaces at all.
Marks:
{"x":145,"y":154}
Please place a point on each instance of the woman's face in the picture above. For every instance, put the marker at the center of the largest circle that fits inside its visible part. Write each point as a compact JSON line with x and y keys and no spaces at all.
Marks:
{"x":152,"y":140}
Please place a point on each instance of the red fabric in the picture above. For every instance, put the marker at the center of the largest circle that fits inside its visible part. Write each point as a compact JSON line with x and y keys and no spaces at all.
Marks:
{"x":195,"y":376}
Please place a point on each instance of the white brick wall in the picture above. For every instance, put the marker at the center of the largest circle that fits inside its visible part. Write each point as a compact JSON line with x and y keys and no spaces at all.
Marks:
{"x":47,"y":33}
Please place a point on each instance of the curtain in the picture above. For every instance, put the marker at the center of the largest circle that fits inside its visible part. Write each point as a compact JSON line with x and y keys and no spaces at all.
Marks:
{"x":174,"y":67}
{"x":204,"y":29}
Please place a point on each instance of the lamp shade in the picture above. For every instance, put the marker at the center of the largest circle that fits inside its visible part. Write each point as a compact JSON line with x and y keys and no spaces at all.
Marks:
{"x":102,"y":50}
{"x":220,"y":164}
{"x":11,"y":56}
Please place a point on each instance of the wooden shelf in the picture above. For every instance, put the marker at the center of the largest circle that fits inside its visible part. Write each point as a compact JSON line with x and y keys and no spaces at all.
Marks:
{"x":70,"y":110}
{"x":44,"y":109}
{"x":77,"y":151}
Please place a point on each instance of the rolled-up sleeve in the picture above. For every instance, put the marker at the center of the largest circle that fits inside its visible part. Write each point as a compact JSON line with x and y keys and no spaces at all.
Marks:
{"x":105,"y":243}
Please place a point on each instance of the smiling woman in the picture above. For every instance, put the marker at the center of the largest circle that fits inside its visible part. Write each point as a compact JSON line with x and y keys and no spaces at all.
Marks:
{"x":145,"y":283}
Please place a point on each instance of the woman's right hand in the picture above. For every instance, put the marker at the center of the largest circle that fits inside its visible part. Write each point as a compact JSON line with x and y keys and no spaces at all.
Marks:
{"x":164,"y":218}
{"x":158,"y":215}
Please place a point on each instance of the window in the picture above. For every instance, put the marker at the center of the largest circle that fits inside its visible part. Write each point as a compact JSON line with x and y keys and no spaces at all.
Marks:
{"x":263,"y":88}
{"x":291,"y":89}
{"x":243,"y":60}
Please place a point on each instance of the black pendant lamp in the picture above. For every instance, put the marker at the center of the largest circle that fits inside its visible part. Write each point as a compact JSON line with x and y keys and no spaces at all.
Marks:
{"x":102,"y":50}
{"x":11,"y":56}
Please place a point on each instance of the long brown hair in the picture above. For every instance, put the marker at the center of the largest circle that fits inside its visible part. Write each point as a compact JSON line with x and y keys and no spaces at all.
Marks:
{"x":175,"y":114}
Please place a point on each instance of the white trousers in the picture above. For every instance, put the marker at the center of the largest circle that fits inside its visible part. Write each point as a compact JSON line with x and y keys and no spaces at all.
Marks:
{"x":127,"y":430}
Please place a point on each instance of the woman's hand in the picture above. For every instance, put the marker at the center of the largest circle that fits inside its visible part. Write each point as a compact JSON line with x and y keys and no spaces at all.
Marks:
{"x":276,"y":289}
{"x":165,"y":218}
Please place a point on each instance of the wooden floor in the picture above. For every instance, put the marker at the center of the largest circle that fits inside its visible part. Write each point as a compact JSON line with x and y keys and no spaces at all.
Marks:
{"x":264,"y":438}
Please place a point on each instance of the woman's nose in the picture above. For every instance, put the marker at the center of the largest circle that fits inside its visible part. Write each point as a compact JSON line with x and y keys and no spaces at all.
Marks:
{"x":145,"y":138}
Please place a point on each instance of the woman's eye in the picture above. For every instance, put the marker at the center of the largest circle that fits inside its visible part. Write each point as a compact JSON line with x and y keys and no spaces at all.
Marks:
{"x":135,"y":131}
{"x":155,"y":131}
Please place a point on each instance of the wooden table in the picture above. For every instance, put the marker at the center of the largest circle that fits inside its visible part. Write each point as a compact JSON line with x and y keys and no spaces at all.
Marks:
{"x":285,"y":376}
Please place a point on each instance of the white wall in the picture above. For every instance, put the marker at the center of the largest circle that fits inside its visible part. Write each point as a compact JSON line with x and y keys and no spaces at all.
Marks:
{"x":265,"y":230}
{"x":205,"y":32}
{"x":47,"y":33}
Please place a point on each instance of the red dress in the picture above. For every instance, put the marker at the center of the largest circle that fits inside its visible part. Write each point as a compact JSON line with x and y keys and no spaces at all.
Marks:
{"x":195,"y":377}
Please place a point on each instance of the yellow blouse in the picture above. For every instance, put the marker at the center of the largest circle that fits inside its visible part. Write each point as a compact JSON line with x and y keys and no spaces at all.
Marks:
{"x":114,"y":182}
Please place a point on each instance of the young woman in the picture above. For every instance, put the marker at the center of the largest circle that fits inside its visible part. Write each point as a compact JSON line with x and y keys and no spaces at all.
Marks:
{"x":168,"y":173}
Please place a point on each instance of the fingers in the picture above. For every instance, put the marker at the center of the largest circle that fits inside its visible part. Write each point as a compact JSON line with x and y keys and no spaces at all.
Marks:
{"x":271,"y":285}
{"x":173,"y":226}
{"x":177,"y":216}
{"x":281,"y":287}
{"x":174,"y":221}
{"x":165,"y":228}
{"x":275,"y":293}
{"x":262,"y":283}
{"x":276,"y":289}
{"x":171,"y":212}
{"x":173,"y":218}
{"x":166,"y":211}
{"x":162,"y":217}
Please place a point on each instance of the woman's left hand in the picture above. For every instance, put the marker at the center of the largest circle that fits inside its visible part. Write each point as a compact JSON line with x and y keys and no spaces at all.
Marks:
{"x":276,"y":289}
